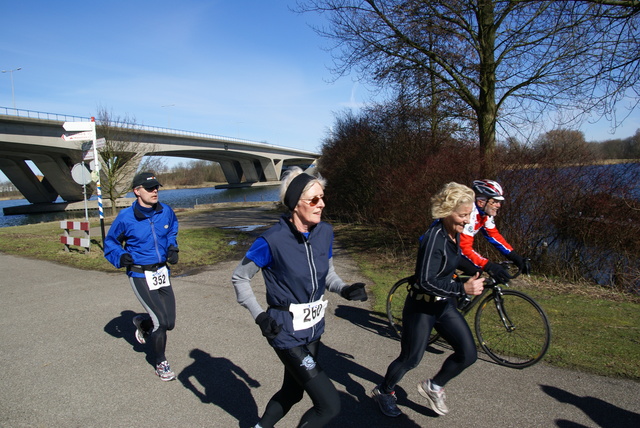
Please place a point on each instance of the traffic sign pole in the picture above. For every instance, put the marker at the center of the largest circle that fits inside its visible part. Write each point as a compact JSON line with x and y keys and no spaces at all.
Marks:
{"x":80,"y":175}
{"x":98,"y":190}
{"x":87,"y":132}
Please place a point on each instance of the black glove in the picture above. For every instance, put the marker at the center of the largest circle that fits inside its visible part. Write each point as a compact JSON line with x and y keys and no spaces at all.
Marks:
{"x":172,"y":254}
{"x":126,"y":260}
{"x":268,"y":325}
{"x":497,"y":272}
{"x":519,"y":261}
{"x":354,"y":292}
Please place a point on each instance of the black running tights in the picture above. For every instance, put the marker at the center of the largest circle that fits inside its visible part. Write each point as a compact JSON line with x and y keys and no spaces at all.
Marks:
{"x":302,"y":373}
{"x":161,"y":306}
{"x":419,"y":318}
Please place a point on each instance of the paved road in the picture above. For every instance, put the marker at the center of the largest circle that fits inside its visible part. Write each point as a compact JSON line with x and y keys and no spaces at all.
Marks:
{"x":69,"y":359}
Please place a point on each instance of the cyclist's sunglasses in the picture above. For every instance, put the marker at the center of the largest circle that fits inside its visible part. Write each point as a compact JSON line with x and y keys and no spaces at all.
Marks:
{"x":313,"y":201}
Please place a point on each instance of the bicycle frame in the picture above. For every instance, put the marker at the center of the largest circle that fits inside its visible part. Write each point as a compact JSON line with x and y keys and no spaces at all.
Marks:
{"x":504,"y":317}
{"x":471,"y":303}
{"x":496,"y":290}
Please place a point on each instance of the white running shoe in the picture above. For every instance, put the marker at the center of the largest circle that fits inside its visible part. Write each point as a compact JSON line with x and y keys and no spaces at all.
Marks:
{"x":164,"y":371}
{"x":435,"y":400}
{"x":137,"y":321}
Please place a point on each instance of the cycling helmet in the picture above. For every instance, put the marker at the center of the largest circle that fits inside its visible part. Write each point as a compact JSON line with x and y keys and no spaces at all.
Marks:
{"x":489,"y":189}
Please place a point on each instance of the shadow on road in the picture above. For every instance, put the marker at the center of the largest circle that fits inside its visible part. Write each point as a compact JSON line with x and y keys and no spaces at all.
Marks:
{"x":604,"y":414}
{"x":122,"y":328}
{"x":218,"y":381}
{"x":358,"y":409}
{"x":373,"y":322}
{"x":221,"y":382}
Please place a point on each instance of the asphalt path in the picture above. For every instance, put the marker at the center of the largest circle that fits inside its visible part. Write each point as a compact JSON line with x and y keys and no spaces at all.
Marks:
{"x":69,"y":359}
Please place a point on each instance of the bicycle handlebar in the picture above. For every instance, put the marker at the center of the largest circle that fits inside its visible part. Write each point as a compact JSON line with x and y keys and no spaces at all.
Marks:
{"x":491,"y":281}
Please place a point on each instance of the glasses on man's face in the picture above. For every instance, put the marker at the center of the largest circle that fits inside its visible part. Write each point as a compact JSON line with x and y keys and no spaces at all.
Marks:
{"x":494,"y":202}
{"x":150,"y":189}
{"x":313,"y":201}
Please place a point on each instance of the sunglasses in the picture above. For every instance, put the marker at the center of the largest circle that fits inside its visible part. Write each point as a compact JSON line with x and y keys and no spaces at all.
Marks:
{"x":313,"y":201}
{"x":150,"y":189}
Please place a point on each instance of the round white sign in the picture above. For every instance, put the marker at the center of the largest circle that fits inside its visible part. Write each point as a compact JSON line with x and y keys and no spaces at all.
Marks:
{"x":81,"y":174}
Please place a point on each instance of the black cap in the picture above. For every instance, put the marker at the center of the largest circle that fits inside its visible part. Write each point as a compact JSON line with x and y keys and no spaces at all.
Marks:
{"x":146,"y":180}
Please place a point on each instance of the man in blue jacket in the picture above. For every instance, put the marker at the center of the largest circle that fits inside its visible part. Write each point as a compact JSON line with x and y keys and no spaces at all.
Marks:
{"x":143,"y":239}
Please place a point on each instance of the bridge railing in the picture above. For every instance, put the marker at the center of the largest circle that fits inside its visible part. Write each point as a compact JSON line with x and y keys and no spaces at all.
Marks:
{"x":7,"y":111}
{"x":31,"y":114}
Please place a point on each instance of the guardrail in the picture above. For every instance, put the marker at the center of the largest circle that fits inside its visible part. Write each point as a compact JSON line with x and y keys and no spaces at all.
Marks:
{"x":41,"y":115}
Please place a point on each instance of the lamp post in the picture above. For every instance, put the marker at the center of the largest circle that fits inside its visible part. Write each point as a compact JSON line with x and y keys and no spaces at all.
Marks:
{"x":169,"y":105}
{"x":13,"y":94}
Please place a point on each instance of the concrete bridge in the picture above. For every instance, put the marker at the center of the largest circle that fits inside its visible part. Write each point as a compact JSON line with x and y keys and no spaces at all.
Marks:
{"x":35,"y":136}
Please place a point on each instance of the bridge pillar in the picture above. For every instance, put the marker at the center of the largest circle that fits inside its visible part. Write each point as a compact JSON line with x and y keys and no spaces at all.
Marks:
{"x":249,"y":170}
{"x":232,"y":171}
{"x":271,"y":169}
{"x":56,"y":172}
{"x":19,"y":173}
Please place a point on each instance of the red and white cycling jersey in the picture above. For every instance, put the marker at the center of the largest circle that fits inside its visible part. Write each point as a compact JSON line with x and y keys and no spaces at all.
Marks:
{"x":480,"y":221}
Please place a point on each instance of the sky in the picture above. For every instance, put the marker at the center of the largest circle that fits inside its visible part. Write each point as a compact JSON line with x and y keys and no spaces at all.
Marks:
{"x":249,"y":69}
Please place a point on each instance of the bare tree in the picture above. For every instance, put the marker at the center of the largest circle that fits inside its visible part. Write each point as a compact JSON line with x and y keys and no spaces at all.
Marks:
{"x":511,"y":63}
{"x":157,"y":164}
{"x":121,"y":155}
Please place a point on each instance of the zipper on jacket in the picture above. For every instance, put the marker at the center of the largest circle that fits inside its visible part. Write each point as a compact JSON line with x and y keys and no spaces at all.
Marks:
{"x":155,"y":239}
{"x":314,"y":277}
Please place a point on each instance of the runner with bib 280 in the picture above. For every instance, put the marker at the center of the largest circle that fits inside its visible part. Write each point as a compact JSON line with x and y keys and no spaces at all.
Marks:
{"x":295,"y":256}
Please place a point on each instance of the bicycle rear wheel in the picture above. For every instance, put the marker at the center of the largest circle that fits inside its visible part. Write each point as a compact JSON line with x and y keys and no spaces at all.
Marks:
{"x":512,"y":329}
{"x":395,"y":305}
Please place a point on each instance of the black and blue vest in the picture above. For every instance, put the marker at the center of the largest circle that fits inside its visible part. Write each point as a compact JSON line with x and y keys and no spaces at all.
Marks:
{"x":297,"y":274}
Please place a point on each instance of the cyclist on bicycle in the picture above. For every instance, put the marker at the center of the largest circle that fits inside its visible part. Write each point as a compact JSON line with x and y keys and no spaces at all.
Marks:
{"x":489,"y":198}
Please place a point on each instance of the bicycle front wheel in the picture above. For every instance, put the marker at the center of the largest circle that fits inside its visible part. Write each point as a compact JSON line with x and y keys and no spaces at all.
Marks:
{"x":512,"y":329}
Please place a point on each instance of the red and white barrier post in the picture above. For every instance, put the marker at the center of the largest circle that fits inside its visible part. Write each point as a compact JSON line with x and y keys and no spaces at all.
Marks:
{"x":67,"y":239}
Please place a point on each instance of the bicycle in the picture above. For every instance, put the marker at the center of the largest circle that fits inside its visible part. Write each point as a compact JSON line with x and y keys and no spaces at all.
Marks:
{"x":511,"y":327}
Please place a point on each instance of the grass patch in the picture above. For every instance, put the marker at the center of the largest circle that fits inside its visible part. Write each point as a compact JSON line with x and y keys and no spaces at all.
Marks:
{"x":198,"y":247}
{"x":594,"y":330}
{"x":208,"y":246}
{"x":42,"y":241}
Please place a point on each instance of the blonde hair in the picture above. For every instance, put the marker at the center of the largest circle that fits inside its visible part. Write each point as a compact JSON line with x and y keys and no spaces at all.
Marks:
{"x":292,"y":173}
{"x":449,"y":198}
